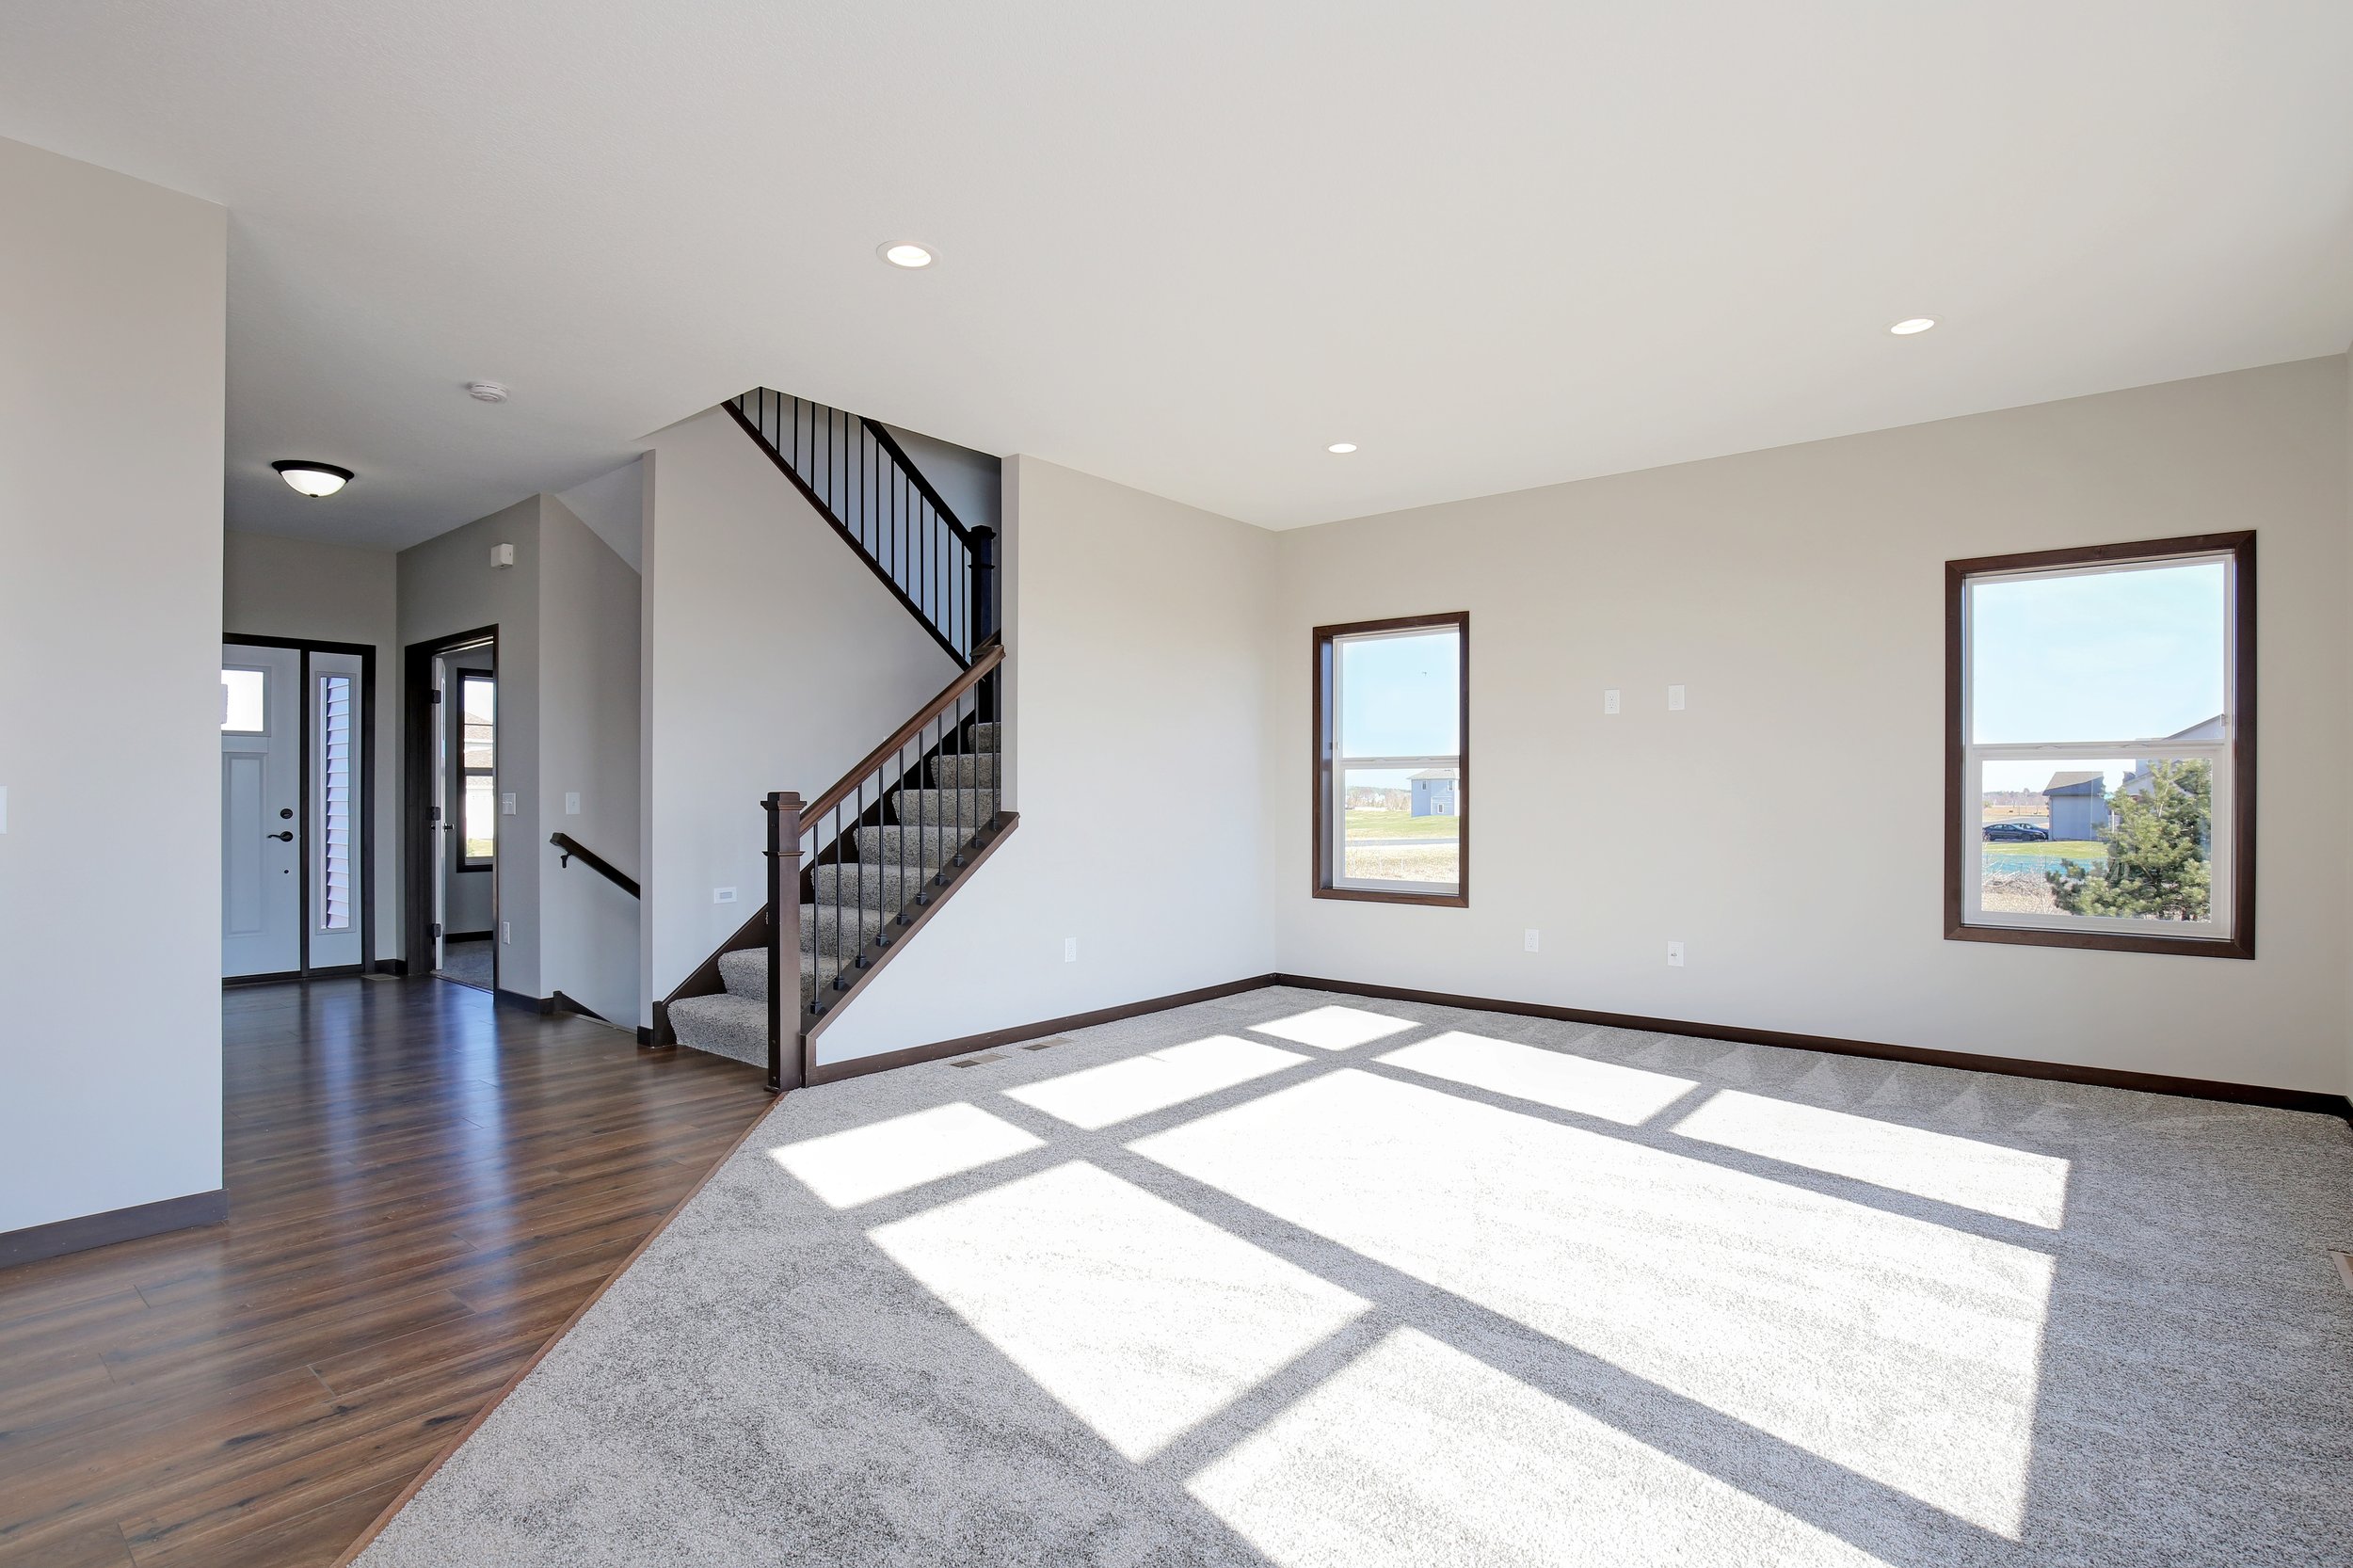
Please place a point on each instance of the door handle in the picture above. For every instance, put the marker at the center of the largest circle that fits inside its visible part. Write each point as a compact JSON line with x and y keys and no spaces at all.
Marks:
{"x":287,"y":836}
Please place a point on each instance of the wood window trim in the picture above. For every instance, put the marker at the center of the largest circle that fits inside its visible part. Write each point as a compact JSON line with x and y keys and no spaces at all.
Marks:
{"x":2240,"y":943}
{"x":1320,"y":750}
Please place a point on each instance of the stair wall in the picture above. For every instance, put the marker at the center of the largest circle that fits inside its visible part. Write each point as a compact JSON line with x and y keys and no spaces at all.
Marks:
{"x":1140,"y":642}
{"x":774,"y":659}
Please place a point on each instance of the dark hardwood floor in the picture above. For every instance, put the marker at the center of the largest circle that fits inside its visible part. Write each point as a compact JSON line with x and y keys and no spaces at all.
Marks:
{"x":422,"y":1189}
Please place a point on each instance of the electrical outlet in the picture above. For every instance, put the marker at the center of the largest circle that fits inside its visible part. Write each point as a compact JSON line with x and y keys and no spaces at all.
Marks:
{"x":1674,"y":956}
{"x":1675,"y":699}
{"x":1610,"y":701}
{"x":572,"y":803}
{"x":723,"y":895}
{"x":1070,"y":950}
{"x":1528,"y":939}
{"x":506,"y":932}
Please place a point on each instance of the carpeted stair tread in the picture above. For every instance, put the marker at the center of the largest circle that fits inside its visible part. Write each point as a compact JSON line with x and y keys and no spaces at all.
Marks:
{"x":898,"y":844}
{"x":867,"y":882}
{"x":724,"y":1025}
{"x":984,"y":770}
{"x":950,"y":808}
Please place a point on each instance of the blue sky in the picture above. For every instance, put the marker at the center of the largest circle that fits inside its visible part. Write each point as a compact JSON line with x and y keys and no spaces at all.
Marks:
{"x":1397,"y":699}
{"x":2113,"y":655}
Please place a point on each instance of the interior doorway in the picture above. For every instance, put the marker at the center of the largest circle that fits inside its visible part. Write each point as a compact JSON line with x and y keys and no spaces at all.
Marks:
{"x":296,"y":833}
{"x":454,"y":807}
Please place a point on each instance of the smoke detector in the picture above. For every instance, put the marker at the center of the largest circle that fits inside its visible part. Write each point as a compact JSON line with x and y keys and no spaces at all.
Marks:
{"x":486,"y":392}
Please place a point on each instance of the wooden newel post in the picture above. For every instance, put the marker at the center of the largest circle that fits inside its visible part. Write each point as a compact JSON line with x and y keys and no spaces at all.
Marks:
{"x":784,"y":940}
{"x":984,"y":585}
{"x":985,"y":612}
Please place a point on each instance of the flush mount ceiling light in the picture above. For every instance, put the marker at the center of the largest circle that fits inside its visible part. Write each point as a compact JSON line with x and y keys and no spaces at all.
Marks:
{"x":1342,"y":446}
{"x":904,"y":253}
{"x":1912,"y":324}
{"x":486,"y":392}
{"x":313,"y":479}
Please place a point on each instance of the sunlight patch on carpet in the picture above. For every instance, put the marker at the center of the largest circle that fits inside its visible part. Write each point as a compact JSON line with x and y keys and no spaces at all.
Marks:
{"x":1416,"y":1454}
{"x":1968,"y":1173}
{"x":1629,"y":1096}
{"x":1904,"y":1350}
{"x":1334,"y":1028}
{"x":1140,"y":1319}
{"x":863,"y":1163}
{"x":1099,"y":1097}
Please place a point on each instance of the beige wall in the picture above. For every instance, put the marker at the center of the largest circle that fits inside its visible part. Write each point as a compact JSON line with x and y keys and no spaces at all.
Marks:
{"x":112,"y":313}
{"x":1138,"y":635}
{"x":589,"y":740}
{"x":1787,"y":826}
{"x":448,"y":585}
{"x":310,"y":590}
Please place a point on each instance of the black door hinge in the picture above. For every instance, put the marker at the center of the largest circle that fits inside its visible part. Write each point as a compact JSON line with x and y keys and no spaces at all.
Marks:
{"x":436,"y":931}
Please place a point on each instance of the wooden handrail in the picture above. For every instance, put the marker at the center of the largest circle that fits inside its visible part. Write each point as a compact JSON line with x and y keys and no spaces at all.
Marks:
{"x":571,"y":846}
{"x":922,"y":485}
{"x":984,"y":659}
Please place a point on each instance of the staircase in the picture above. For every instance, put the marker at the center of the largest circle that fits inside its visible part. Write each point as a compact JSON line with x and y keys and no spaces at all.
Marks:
{"x":855,"y":872}
{"x":891,"y":872}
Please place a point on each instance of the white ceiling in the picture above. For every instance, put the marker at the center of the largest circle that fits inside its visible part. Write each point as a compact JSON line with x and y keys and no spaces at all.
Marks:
{"x":1185,"y":246}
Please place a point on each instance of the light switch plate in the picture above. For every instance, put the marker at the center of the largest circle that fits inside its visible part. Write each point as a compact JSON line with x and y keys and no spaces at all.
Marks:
{"x":1070,"y":950}
{"x":1675,"y":699}
{"x":1674,"y":956}
{"x":506,"y":932}
{"x":572,"y":803}
{"x":723,"y":895}
{"x":1610,"y":701}
{"x":506,"y":806}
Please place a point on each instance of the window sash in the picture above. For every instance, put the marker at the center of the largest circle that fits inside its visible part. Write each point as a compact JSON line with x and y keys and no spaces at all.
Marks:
{"x":2219,"y":835}
{"x":1332,"y":762}
{"x":2222,"y":829}
{"x":1336,"y":815}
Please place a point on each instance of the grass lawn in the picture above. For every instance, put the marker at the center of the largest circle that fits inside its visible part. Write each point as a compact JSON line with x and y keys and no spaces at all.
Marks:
{"x":1398,"y":824}
{"x":2078,"y":850}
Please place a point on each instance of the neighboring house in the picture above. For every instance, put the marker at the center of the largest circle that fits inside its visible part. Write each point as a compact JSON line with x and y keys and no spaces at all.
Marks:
{"x":2080,"y":804}
{"x":2143,"y":776}
{"x":1434,"y":792}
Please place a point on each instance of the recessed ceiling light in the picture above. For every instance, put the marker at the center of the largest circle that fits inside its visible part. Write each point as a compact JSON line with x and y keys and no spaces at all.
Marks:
{"x":313,"y":479}
{"x":1914,"y":324}
{"x":1342,"y":446}
{"x":904,"y":253}
{"x":486,"y":392}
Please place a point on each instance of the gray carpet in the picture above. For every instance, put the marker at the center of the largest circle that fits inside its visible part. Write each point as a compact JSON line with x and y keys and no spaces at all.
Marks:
{"x":1298,"y":1279}
{"x":468,"y":962}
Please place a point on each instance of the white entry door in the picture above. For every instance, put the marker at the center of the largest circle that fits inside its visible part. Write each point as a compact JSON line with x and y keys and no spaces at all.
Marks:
{"x":261,"y":811}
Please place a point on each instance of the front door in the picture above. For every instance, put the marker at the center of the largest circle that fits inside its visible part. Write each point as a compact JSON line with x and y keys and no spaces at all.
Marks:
{"x":260,"y":799}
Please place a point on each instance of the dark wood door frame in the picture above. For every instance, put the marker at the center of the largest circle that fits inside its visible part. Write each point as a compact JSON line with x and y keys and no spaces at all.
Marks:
{"x":417,"y":828}
{"x":365,"y":652}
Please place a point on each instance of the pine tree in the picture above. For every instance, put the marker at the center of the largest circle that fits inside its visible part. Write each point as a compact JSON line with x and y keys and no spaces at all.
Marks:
{"x":2157,"y":852}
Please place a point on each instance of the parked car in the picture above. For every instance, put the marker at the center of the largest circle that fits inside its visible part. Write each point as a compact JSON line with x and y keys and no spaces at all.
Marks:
{"x":2015,"y":832}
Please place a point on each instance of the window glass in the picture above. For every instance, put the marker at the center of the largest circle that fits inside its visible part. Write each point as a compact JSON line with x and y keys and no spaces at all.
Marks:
{"x":478,"y":758}
{"x":2114,"y":655}
{"x":243,"y":701}
{"x":1395,"y":803}
{"x":1402,"y":826}
{"x":481,"y":820}
{"x":1398,"y":694}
